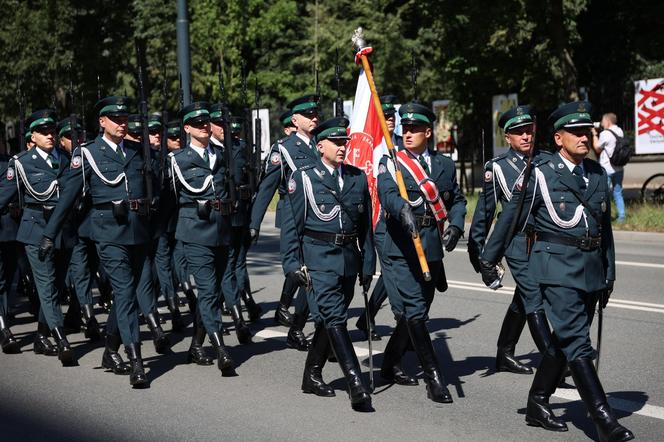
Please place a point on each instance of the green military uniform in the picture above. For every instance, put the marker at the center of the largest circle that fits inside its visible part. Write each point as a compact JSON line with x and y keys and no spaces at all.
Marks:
{"x":331,"y":210}
{"x":501,"y":176}
{"x":199,"y":175}
{"x":286,"y":156}
{"x":239,"y":233}
{"x":572,"y":261}
{"x":37,"y":176}
{"x":112,"y":173}
{"x":410,"y":295}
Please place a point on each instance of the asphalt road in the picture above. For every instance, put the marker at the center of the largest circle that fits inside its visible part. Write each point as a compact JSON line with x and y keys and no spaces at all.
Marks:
{"x":40,"y":400}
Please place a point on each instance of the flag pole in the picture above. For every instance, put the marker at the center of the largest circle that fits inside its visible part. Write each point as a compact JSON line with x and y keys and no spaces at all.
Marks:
{"x":362,"y":51}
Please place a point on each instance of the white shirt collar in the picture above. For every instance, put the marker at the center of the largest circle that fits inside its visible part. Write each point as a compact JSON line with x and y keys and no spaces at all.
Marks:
{"x":213,"y":140}
{"x":44,"y":154}
{"x":330,"y":168}
{"x":519,"y":154}
{"x":570,"y":165}
{"x":201,"y":151}
{"x":304,"y":138}
{"x":112,"y":144}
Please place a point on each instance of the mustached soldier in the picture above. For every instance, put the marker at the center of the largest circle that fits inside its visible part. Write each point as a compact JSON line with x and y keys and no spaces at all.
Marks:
{"x":572,"y":261}
{"x":331,"y":209}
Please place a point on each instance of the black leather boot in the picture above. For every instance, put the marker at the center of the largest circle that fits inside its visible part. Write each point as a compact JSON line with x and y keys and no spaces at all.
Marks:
{"x":509,"y":335}
{"x":391,"y":369}
{"x":161,"y":341}
{"x":105,"y":293}
{"x":312,"y":379}
{"x":111,"y":359}
{"x":224,"y":309}
{"x":360,"y":399}
{"x":176,"y":317}
{"x":196,"y":353}
{"x":282,"y":315}
{"x":43,"y":345}
{"x":137,"y":377}
{"x":90,"y":324}
{"x":224,"y":361}
{"x":191,"y":297}
{"x":549,"y":372}
{"x":296,"y":338}
{"x":241,"y":328}
{"x":7,"y":340}
{"x":539,"y":330}
{"x":65,"y":352}
{"x":419,"y":335}
{"x":255,"y":311}
{"x":72,"y":319}
{"x":591,"y":392}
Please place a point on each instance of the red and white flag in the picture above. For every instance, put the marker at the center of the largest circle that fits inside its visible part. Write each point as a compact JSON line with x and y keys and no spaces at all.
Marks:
{"x":367,"y":144}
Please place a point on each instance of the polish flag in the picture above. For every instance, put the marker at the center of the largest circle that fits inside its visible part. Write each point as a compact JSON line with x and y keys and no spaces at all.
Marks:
{"x":367,"y":144}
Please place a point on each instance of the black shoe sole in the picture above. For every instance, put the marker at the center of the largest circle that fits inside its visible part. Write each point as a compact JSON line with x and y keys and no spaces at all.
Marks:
{"x":535,"y":423}
{"x":314,"y":392}
{"x":114,"y":370}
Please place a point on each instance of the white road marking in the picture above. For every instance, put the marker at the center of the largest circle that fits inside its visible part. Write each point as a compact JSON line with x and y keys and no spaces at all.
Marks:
{"x":613,"y":302}
{"x":567,"y":394}
{"x":361,"y":352}
{"x":617,"y":403}
{"x":640,"y":264}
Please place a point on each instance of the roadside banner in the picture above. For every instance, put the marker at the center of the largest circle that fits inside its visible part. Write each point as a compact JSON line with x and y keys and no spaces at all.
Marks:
{"x":649,"y":116}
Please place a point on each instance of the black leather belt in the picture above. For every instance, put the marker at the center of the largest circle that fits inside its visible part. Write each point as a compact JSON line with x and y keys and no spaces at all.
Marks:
{"x":586,"y":243}
{"x":215,"y":204}
{"x":133,"y":205}
{"x":425,"y":221}
{"x":338,"y":239}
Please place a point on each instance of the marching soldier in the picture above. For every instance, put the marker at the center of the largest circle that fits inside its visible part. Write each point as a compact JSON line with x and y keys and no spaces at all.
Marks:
{"x":199,"y":175}
{"x":379,"y":294}
{"x":500,"y":178}
{"x":10,"y":218}
{"x":37,"y":176}
{"x":572,"y":261}
{"x":111,"y":170}
{"x":79,"y":269}
{"x":331,"y":210}
{"x":169,"y":258}
{"x":286,"y":156}
{"x":145,"y":292}
{"x":425,"y":173}
{"x":238,"y":239}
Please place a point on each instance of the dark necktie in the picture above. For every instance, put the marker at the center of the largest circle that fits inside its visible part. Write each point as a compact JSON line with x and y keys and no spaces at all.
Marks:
{"x":54,"y":162}
{"x":424,"y":164}
{"x":206,"y":156}
{"x":578,"y":175}
{"x":335,"y":177}
{"x":120,"y":153}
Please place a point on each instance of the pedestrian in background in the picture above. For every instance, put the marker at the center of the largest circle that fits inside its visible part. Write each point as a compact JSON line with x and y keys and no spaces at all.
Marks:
{"x":604,"y":144}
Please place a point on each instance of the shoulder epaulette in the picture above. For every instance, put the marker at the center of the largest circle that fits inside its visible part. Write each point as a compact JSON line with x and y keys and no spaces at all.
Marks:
{"x":21,"y":154}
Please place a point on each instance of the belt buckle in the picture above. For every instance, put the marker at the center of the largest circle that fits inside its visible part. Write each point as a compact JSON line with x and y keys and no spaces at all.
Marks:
{"x":338,"y":239}
{"x":133,"y":205}
{"x":585,"y":244}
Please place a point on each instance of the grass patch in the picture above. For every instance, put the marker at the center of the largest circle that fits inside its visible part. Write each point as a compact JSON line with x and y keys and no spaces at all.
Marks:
{"x":641,"y":217}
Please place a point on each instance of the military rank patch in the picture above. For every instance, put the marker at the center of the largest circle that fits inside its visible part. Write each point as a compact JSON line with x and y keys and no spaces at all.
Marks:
{"x":488,"y":176}
{"x":382,"y":168}
{"x":76,"y":162}
{"x":10,"y":174}
{"x":291,"y":185}
{"x":275,"y":158}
